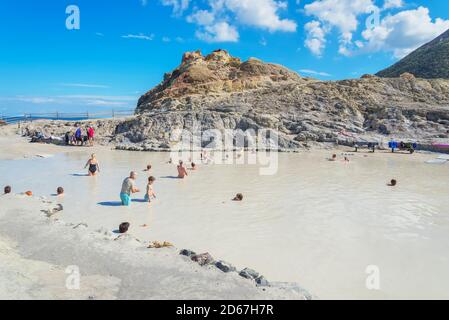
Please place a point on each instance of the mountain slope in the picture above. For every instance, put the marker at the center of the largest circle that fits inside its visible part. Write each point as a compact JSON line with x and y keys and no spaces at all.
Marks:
{"x":431,"y":61}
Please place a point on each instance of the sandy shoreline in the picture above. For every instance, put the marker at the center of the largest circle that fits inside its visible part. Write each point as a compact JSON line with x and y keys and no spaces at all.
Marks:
{"x":35,"y":252}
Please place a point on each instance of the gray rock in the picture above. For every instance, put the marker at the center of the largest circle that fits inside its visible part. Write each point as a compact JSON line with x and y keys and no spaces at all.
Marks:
{"x":248,"y":273}
{"x":225,"y":266}
{"x":55,"y":210}
{"x":203,"y":259}
{"x":187,"y":253}
{"x":262,"y":282}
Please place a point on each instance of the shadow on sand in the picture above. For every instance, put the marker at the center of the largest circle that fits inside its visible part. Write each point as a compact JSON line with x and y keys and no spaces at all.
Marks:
{"x":139,"y":200}
{"x":110,"y":204}
{"x":79,"y":175}
{"x":170,"y":177}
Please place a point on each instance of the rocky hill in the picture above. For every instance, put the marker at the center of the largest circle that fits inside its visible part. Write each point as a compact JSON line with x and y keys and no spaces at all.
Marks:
{"x":219,"y":91}
{"x":431,"y":61}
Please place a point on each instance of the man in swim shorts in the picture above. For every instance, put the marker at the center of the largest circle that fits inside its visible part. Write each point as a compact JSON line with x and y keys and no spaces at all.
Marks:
{"x":128,"y":188}
{"x":182,"y":172}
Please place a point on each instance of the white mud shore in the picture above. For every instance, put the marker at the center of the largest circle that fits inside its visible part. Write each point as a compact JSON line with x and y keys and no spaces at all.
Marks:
{"x":37,"y":251}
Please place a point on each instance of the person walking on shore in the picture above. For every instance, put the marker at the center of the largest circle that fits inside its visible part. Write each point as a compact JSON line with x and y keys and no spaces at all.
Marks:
{"x":128,"y":188}
{"x":90,"y":135}
{"x":93,"y":164}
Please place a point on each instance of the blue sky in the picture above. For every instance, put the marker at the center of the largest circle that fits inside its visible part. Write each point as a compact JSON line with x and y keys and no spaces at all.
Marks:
{"x":123,"y":47}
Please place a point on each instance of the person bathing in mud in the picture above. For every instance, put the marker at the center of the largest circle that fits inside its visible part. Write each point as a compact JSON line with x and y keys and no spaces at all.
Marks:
{"x":393,"y":183}
{"x":182,"y":172}
{"x":150,"y":192}
{"x":60,"y":192}
{"x":238,"y":197}
{"x":148,"y":169}
{"x":93,"y":165}
{"x":7,"y":190}
{"x":194,"y":167}
{"x":128,"y":188}
{"x":333,"y":158}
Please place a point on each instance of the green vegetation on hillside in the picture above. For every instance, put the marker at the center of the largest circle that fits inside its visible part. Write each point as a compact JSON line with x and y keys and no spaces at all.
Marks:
{"x":431,"y":61}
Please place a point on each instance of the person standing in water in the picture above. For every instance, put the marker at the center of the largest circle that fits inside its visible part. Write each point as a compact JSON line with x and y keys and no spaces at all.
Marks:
{"x":182,"y":172}
{"x":93,"y":165}
{"x":150,"y":192}
{"x":128,"y":188}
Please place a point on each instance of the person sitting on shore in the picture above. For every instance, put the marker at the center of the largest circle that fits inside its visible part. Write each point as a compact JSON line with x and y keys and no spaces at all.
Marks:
{"x":182,"y":172}
{"x":93,"y":165}
{"x":238,"y":197}
{"x":150,"y":192}
{"x":393,"y":183}
{"x":128,"y":188}
{"x":60,"y":192}
{"x":148,"y":169}
{"x":124,"y":227}
{"x":7,"y":190}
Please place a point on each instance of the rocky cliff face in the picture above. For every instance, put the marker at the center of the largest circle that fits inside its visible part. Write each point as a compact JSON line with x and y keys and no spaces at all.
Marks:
{"x":219,"y":91}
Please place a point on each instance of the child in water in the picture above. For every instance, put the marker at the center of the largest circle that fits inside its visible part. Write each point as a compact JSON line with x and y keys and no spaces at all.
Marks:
{"x":150,"y":192}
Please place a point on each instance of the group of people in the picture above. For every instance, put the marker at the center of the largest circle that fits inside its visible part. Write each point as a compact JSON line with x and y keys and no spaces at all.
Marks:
{"x":129,"y":185}
{"x":8,"y":190}
{"x":392,"y":183}
{"x":80,"y":137}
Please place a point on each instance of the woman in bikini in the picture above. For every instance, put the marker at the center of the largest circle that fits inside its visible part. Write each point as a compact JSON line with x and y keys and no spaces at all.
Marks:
{"x":93,"y":165}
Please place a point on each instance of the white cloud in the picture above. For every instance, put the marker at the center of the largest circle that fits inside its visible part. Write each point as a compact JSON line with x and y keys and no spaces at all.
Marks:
{"x":404,"y":32}
{"x":315,"y":73}
{"x":179,"y":6}
{"x":34,"y":100}
{"x":139,"y":36}
{"x":202,"y":18}
{"x":144,"y":2}
{"x":219,"y":22}
{"x":219,"y":32}
{"x":340,"y":14}
{"x":316,"y":37}
{"x":261,"y":13}
{"x":390,"y":4}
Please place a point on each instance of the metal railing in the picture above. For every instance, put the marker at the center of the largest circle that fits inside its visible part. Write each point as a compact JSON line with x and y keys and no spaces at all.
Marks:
{"x":29,"y":117}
